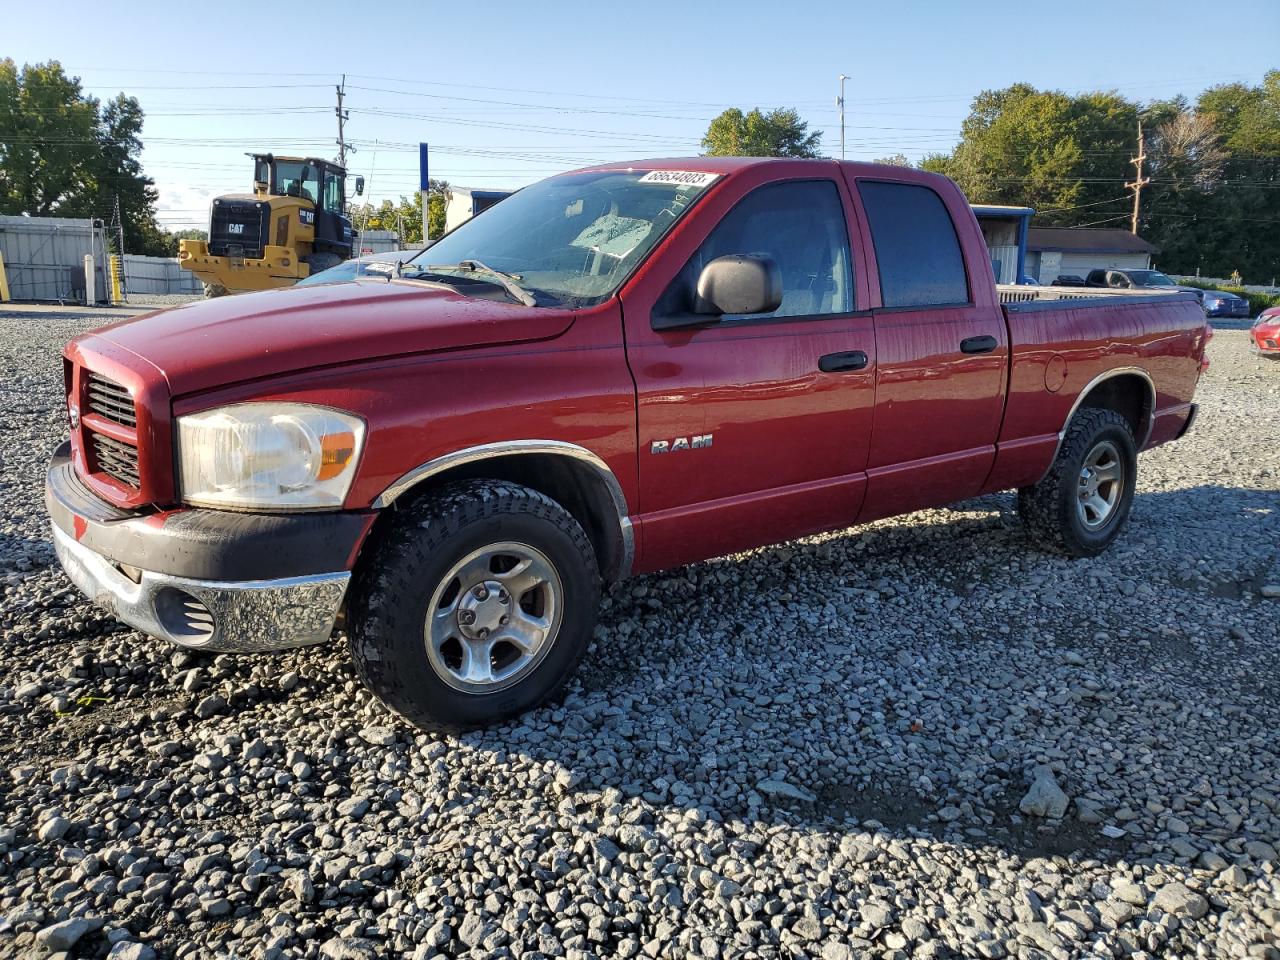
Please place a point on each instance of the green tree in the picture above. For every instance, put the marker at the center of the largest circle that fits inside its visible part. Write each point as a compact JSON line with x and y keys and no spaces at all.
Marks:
{"x":1067,"y":156}
{"x":1213,"y":202}
{"x":1239,"y":227}
{"x":171,"y":239}
{"x":65,"y":154}
{"x":895,"y":160}
{"x":405,"y":216}
{"x":778,"y":133}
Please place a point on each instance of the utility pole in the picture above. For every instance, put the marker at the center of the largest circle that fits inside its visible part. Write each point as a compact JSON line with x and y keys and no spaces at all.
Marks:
{"x":342,"y":118}
{"x":1139,"y":181}
{"x":840,"y":104}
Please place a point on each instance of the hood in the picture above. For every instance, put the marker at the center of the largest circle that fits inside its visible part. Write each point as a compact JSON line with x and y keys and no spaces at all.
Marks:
{"x":219,"y":342}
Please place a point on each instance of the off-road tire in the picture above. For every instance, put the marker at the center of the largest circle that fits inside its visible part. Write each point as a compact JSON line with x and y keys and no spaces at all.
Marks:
{"x":1048,"y":509}
{"x":212,"y":290}
{"x":400,"y":570}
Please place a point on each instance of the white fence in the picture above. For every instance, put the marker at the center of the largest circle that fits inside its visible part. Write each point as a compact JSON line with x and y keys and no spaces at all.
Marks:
{"x":44,"y":257}
{"x":157,"y":275}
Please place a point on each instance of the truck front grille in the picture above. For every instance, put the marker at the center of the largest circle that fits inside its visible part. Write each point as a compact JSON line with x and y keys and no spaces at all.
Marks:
{"x":110,"y":400}
{"x":238,"y":228}
{"x":117,"y":460}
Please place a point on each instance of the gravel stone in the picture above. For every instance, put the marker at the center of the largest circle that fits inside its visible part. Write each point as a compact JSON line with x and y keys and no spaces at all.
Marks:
{"x":55,"y":828}
{"x":1045,"y":798}
{"x":65,"y":935}
{"x":819,"y":749}
{"x":128,"y":950}
{"x":1176,"y":899}
{"x":780,"y":789}
{"x":350,"y":948}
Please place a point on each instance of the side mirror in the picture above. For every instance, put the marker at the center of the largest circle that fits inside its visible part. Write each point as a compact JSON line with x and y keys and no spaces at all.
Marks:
{"x":359,"y":186}
{"x":740,"y":284}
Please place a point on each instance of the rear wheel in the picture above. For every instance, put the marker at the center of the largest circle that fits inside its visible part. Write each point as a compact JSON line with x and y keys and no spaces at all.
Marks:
{"x":1083,"y":501}
{"x":476,"y":605}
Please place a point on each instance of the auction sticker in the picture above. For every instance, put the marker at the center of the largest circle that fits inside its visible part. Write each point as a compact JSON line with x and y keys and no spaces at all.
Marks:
{"x":680,"y":178}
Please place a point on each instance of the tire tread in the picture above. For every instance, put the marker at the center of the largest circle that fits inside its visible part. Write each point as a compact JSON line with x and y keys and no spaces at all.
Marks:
{"x":1040,"y":506}
{"x":420,"y":529}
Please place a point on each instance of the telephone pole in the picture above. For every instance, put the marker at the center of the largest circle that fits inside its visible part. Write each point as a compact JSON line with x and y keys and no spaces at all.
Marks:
{"x":1139,"y":181}
{"x":342,"y":118}
{"x":840,"y":104}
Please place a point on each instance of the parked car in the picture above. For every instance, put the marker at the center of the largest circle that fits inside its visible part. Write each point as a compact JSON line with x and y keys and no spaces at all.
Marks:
{"x":372,"y":264}
{"x":1220,"y":303}
{"x":1265,"y":334}
{"x":614,"y":371}
{"x":1126,"y":279}
{"x":1068,"y":280}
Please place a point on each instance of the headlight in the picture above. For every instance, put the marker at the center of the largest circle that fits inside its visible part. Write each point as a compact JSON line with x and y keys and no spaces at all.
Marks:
{"x":268,"y":456}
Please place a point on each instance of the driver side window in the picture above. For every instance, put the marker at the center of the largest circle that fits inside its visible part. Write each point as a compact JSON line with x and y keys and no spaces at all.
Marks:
{"x":801,"y":226}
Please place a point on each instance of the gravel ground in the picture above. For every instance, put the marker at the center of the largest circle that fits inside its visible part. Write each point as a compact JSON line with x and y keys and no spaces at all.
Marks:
{"x":920,"y":738}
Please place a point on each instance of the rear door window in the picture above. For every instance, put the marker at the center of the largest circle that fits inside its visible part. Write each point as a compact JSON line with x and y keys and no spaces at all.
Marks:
{"x":917,"y":250}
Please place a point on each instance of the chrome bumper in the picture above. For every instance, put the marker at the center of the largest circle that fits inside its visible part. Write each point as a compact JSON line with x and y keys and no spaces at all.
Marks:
{"x":227,"y":616}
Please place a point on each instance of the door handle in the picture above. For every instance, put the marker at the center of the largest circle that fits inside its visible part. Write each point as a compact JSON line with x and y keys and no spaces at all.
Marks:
{"x":978,"y":344}
{"x":842,"y":362}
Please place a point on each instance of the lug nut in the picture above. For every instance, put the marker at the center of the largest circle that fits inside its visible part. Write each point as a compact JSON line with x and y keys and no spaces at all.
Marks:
{"x":504,"y":620}
{"x":481,"y":593}
{"x":502,"y":596}
{"x":482,"y":633}
{"x":466,"y":616}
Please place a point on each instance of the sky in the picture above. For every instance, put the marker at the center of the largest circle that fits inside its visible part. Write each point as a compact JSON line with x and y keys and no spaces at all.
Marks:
{"x":507,"y":93}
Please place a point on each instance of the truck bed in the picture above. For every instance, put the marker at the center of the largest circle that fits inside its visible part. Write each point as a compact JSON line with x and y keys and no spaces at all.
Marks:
{"x":1013,"y":293}
{"x":1064,"y":340}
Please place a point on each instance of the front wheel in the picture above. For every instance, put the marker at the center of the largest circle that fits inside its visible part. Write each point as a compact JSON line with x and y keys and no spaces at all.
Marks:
{"x":474,"y":606}
{"x":1083,"y":501}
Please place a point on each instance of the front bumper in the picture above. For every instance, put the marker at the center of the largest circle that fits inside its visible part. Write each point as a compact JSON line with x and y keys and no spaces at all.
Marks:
{"x":277,"y":267}
{"x":227,"y":616}
{"x":206,"y":579}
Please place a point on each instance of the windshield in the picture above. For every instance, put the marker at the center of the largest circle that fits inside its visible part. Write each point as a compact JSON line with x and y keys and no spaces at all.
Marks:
{"x":569,"y":240}
{"x":296,"y":178}
{"x":376,"y":265}
{"x":1150,"y":278}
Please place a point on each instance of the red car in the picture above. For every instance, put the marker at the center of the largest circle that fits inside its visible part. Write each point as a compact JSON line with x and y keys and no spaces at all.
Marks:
{"x":613,"y":371}
{"x":1265,"y":332}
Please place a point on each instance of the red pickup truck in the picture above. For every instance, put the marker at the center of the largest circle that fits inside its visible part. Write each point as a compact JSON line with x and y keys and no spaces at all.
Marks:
{"x":614,"y":371}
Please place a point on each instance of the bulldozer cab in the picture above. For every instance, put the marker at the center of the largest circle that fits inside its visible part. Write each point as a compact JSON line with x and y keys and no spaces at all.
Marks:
{"x":293,"y":225}
{"x":320,"y":182}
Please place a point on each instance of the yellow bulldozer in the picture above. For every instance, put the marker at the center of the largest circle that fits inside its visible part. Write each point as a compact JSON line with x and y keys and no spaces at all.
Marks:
{"x":294,"y":224}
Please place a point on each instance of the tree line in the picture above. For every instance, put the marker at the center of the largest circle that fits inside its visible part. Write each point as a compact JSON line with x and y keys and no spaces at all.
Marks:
{"x":1212,"y":203}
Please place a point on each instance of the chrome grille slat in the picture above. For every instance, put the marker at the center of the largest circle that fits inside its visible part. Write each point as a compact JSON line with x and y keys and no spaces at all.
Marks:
{"x":109,"y":399}
{"x":116,"y":459}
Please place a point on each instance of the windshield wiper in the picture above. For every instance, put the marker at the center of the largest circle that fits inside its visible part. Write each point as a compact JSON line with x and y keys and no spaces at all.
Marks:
{"x":508,"y":282}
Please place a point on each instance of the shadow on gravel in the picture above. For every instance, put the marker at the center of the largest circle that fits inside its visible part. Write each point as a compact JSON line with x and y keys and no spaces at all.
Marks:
{"x":902,"y":676}
{"x":778,"y":665}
